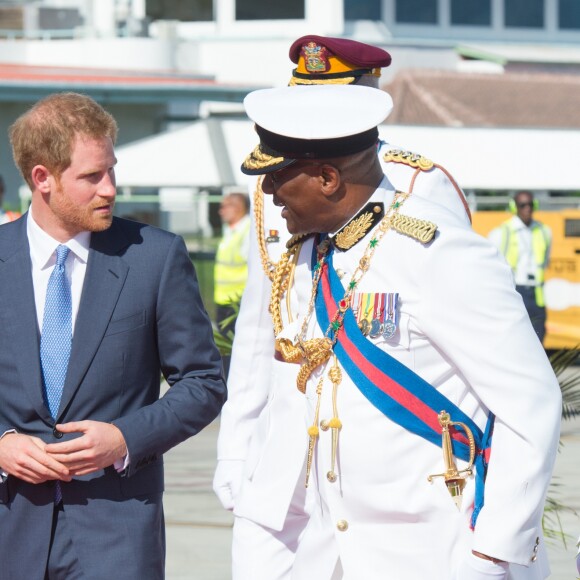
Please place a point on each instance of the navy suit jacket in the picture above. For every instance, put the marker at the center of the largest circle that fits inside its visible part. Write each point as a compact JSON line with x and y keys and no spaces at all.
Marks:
{"x":140,"y":316}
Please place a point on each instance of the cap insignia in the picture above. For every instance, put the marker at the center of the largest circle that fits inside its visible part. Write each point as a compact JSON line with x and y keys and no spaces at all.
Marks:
{"x":421,"y":230}
{"x":414,"y":160}
{"x":315,"y":58}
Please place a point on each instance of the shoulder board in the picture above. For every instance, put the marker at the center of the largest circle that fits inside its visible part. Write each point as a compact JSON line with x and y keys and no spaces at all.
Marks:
{"x":408,"y":158}
{"x":415,"y":228}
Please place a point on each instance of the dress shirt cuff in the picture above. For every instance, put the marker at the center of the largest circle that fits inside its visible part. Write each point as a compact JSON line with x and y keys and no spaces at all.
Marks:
{"x":3,"y":474}
{"x":121,"y":464}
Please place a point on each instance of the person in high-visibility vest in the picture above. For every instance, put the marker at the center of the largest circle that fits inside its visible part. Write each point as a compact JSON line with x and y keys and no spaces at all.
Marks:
{"x":6,"y":216}
{"x":231,"y":264}
{"x":526,"y":243}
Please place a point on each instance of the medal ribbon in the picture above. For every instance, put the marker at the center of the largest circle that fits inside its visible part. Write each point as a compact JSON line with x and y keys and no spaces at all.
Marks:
{"x":395,"y":390}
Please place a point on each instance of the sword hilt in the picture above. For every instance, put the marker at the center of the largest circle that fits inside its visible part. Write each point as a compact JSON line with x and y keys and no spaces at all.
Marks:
{"x":454,"y":478}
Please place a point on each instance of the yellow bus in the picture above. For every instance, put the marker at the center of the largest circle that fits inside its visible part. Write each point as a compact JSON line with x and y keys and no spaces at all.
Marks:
{"x":562,"y":287}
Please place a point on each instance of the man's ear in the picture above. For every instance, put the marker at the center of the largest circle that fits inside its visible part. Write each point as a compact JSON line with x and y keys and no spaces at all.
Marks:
{"x":330,"y":179}
{"x":41,"y":178}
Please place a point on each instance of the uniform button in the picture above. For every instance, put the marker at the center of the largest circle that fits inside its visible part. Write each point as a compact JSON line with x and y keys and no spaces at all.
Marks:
{"x":534,"y":558}
{"x":57,"y":434}
{"x":342,"y":525}
{"x":535,"y":548}
{"x":324,"y":425}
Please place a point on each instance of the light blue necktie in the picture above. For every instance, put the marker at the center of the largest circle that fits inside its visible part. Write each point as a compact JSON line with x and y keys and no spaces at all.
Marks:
{"x":56,"y":336}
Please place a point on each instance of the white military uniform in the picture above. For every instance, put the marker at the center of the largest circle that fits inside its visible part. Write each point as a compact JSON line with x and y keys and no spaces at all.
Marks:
{"x":263,"y":424}
{"x":462,"y":328}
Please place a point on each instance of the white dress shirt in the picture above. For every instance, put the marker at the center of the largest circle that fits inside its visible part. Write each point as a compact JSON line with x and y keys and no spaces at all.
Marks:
{"x":43,"y":257}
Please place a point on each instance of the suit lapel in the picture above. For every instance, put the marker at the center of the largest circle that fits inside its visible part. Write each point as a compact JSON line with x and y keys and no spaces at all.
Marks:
{"x":18,"y":314}
{"x":104,"y":280}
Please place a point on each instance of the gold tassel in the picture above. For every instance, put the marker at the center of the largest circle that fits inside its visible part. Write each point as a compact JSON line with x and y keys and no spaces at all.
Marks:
{"x":335,"y":424}
{"x":313,"y":433}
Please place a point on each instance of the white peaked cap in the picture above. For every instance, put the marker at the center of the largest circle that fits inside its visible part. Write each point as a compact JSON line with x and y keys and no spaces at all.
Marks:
{"x":313,"y":122}
{"x":318,"y":112}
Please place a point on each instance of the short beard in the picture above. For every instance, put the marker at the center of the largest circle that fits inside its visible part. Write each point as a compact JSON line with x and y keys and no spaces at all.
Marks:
{"x":79,"y":219}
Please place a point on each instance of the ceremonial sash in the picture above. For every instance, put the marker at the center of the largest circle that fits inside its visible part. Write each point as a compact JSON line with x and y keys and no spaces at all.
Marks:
{"x":395,"y":390}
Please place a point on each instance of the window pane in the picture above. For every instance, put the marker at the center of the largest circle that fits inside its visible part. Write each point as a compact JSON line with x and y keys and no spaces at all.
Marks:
{"x":362,"y":10}
{"x":193,"y":11}
{"x":269,"y":9}
{"x":471,"y":12}
{"x":569,"y":15}
{"x":524,"y":13}
{"x":416,"y":11}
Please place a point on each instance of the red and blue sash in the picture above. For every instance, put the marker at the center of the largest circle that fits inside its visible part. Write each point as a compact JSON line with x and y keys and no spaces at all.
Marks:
{"x":395,"y":390}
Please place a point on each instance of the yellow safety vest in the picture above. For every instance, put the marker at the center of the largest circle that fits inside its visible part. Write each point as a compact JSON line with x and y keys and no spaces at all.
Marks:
{"x":231,"y":268}
{"x":540,"y":244}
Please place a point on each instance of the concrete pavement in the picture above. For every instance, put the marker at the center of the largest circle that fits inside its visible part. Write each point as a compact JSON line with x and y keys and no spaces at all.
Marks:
{"x":199,"y":530}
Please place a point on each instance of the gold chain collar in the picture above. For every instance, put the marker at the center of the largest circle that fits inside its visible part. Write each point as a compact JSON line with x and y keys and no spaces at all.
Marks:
{"x":314,"y":352}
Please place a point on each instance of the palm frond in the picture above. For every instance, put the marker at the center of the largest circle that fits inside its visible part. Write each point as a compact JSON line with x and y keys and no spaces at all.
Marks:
{"x":551,"y":520}
{"x":562,"y":361}
{"x":224,"y":341}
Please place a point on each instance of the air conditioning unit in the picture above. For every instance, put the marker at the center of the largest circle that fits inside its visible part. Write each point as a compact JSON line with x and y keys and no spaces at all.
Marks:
{"x":48,"y":18}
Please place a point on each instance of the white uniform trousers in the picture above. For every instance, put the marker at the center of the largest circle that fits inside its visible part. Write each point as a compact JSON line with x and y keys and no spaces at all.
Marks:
{"x":260,"y":553}
{"x":317,"y":555}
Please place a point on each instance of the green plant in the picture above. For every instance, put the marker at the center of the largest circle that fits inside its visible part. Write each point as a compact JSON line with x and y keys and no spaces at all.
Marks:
{"x":562,"y":361}
{"x":224,"y":341}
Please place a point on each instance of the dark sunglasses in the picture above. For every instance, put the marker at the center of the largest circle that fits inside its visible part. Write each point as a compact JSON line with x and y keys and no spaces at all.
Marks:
{"x":277,"y":176}
{"x":525,"y":204}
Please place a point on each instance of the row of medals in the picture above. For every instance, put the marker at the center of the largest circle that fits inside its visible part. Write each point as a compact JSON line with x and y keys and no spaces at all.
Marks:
{"x":377,"y":326}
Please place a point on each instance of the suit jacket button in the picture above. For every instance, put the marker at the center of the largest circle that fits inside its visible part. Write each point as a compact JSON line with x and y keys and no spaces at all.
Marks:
{"x":342,"y":525}
{"x":57,"y":434}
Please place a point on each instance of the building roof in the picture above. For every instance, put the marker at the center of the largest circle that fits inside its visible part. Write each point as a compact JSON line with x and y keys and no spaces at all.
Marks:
{"x":30,"y":83}
{"x":209,"y":152}
{"x":509,"y":100}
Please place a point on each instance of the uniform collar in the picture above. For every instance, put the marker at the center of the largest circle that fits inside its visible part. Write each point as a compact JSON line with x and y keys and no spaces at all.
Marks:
{"x":363,"y":222}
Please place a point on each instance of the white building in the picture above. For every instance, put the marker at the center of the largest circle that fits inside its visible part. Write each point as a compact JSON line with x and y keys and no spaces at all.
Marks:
{"x":207,"y":51}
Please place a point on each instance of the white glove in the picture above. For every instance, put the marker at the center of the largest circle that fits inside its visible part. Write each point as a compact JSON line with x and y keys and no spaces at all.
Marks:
{"x":227,"y":481}
{"x":475,"y":568}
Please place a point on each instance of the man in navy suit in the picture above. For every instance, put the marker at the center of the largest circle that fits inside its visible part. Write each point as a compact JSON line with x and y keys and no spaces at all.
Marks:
{"x":82,"y":480}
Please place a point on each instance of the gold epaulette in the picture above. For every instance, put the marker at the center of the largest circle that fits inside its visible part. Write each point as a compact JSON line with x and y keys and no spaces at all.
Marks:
{"x":414,"y":160}
{"x":416,"y":228}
